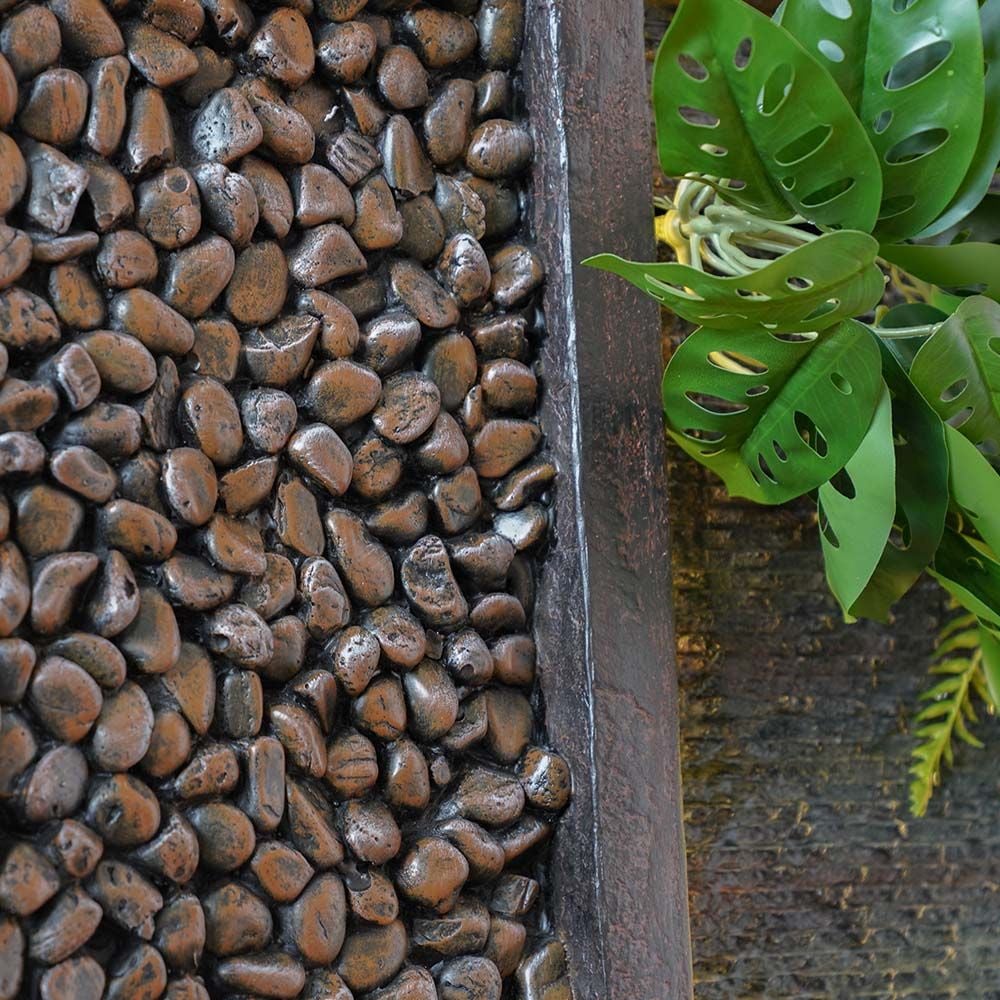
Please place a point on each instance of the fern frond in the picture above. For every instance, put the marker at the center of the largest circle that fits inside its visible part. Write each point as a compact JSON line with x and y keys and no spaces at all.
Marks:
{"x":947,"y":710}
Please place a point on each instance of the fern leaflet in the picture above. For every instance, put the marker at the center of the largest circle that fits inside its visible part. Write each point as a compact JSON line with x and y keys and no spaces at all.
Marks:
{"x":958,"y":661}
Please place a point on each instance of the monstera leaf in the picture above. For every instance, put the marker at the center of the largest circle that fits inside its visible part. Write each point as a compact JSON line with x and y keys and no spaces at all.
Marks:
{"x":815,"y":286}
{"x":975,"y":487}
{"x":921,"y":495}
{"x":960,"y":267}
{"x":856,"y":510}
{"x":958,"y":372}
{"x":979,"y":176}
{"x":775,"y":418}
{"x":737,"y":97}
{"x":969,"y":575}
{"x":913,"y":73}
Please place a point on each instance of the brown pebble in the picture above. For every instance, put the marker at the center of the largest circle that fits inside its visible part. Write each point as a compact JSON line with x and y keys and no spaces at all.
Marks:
{"x":183,"y":18}
{"x":274,"y":974}
{"x":432,"y":874}
{"x":8,"y":94}
{"x":364,"y":563}
{"x":378,"y":224}
{"x":194,"y":584}
{"x":431,"y":701}
{"x":98,"y":656}
{"x":407,"y":777}
{"x":372,"y":956}
{"x":216,"y":351}
{"x":345,"y":50}
{"x":247,"y":486}
{"x":448,"y":120}
{"x":257,"y":290}
{"x":81,"y":978}
{"x":189,"y":485}
{"x":17,"y":660}
{"x":263,"y":797}
{"x":283,"y":47}
{"x":137,"y":531}
{"x":370,"y":831}
{"x":56,"y":785}
{"x":58,"y":584}
{"x":210,"y":420}
{"x":503,"y":444}
{"x":462,"y":210}
{"x":75,"y":297}
{"x":122,"y":810}
{"x":402,"y":78}
{"x":352,"y":766}
{"x":213,"y":73}
{"x":196,"y":276}
{"x":15,"y":588}
{"x":272,"y":592}
{"x":74,"y":373}
{"x":126,"y":259}
{"x":27,"y":322}
{"x":150,"y":140}
{"x":213,"y":770}
{"x":88,"y":30}
{"x":56,"y":107}
{"x":149,"y":319}
{"x":236,"y":920}
{"x":277,"y":354}
{"x":123,"y":730}
{"x":152,"y":642}
{"x":169,"y":747}
{"x":274,"y":199}
{"x":352,"y":156}
{"x":180,"y":932}
{"x":341,"y":392}
{"x":423,"y":296}
{"x":67,"y":927}
{"x":15,"y":254}
{"x":310,"y":825}
{"x":228,"y":202}
{"x":239,"y":710}
{"x":160,"y":57}
{"x":281,"y":870}
{"x":320,"y":196}
{"x":225,"y":836}
{"x":316,"y":923}
{"x":30,"y":41}
{"x":65,"y":698}
{"x":226,"y":128}
{"x":139,"y":974}
{"x":173,"y":853}
{"x":27,"y":880}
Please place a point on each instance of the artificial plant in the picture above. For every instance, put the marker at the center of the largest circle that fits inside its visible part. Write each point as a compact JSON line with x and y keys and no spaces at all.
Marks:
{"x":817,"y":155}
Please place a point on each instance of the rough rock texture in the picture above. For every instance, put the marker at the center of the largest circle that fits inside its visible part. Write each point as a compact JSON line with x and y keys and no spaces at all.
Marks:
{"x":807,"y":875}
{"x":272,"y":497}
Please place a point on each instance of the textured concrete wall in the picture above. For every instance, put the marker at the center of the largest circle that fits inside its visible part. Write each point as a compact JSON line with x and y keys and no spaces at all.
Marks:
{"x":808,"y":878}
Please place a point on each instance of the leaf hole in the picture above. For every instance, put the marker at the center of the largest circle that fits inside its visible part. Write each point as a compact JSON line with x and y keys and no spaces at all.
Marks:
{"x":706,"y":437}
{"x":829,"y":192}
{"x":989,"y":447}
{"x":766,"y":469}
{"x":895,"y":205}
{"x":826,"y":529}
{"x":954,"y":390}
{"x":844,"y":485}
{"x":788,"y":183}
{"x":713,"y":150}
{"x":779,"y":451}
{"x":758,"y":390}
{"x":822,"y":309}
{"x":798,"y":337}
{"x":739,"y":364}
{"x":917,"y":145}
{"x":743,"y":53}
{"x":776,"y":89}
{"x":695,"y":116}
{"x":736,"y":185}
{"x":900,"y":535}
{"x":902,"y":6}
{"x":797,"y":284}
{"x":963,"y":416}
{"x":841,"y":384}
{"x":716,"y":405}
{"x":994,"y":345}
{"x":917,"y":65}
{"x":693,"y":67}
{"x":811,"y":434}
{"x":805,"y":145}
{"x":976,"y":563}
{"x":656,"y":284}
{"x":898,"y":440}
{"x":749,"y":293}
{"x":883,"y":121}
{"x":840,"y":9}
{"x":829,"y":48}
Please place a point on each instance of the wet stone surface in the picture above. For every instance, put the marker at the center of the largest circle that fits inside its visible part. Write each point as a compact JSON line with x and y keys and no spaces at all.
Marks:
{"x":273,"y":489}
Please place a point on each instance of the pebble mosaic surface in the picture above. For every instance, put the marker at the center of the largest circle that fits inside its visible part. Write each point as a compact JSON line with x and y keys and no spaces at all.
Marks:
{"x":272,"y":490}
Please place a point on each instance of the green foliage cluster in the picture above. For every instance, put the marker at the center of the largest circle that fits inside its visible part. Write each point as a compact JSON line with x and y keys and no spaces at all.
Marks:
{"x":817,"y":152}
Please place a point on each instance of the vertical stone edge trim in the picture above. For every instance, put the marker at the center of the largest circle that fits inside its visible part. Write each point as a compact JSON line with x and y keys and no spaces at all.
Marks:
{"x":604,"y":616}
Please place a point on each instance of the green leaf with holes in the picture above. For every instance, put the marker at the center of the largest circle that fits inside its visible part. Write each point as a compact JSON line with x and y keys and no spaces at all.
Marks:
{"x":815,"y":286}
{"x":958,"y":371}
{"x":774,"y":416}
{"x":921,"y":459}
{"x":735,"y":96}
{"x":979,"y":176}
{"x":969,"y":575}
{"x":975,"y":487}
{"x":912,"y":70}
{"x":857,"y":508}
{"x":960,"y":267}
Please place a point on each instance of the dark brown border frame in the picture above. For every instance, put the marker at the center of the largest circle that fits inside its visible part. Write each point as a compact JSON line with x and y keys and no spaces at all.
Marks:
{"x":604,"y":614}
